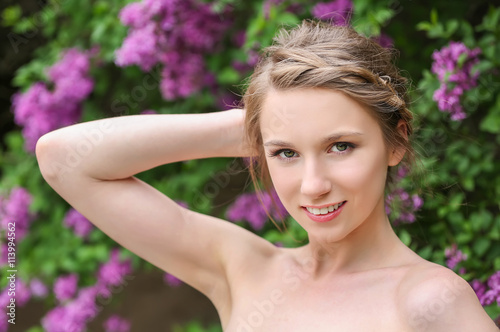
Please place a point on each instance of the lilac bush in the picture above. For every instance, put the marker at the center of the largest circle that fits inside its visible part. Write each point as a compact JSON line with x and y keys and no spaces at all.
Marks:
{"x":199,"y":53}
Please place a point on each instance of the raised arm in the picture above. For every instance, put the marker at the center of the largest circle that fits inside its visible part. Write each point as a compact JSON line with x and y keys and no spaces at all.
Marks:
{"x":117,"y":148}
{"x":91,"y":165}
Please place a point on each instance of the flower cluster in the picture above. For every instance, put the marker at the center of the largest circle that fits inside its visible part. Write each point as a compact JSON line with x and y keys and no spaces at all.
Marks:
{"x":43,"y":108}
{"x":453,"y":67}
{"x":75,"y":312}
{"x":112,"y":273}
{"x":175,"y":34}
{"x":489,"y":291}
{"x":407,"y":204}
{"x":76,"y":221}
{"x":116,"y":323}
{"x":15,"y":209}
{"x":74,"y":315}
{"x":338,"y":12}
{"x":65,"y":287}
{"x":454,"y":256}
{"x":248,"y":207}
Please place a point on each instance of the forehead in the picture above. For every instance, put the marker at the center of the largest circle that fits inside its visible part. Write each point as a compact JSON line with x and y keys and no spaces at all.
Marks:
{"x":304,"y":114}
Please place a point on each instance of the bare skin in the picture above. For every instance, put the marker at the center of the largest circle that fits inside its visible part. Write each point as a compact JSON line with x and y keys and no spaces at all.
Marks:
{"x":354,"y":275}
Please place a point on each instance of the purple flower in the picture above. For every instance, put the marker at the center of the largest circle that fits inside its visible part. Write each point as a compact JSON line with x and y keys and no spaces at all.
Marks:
{"x":116,"y":323}
{"x":183,"y":79}
{"x":418,"y":202}
{"x":4,"y":325}
{"x":149,"y":112}
{"x":494,"y":281}
{"x":139,"y":48}
{"x":479,"y":288}
{"x":22,"y":296}
{"x":38,"y":288}
{"x":454,"y":256}
{"x":40,"y":109}
{"x":338,"y":11}
{"x":172,"y":280}
{"x":76,"y":221}
{"x":183,"y":204}
{"x":406,"y":205}
{"x":384,"y":40}
{"x":228,"y":101}
{"x":15,"y":209}
{"x":135,"y":15}
{"x":112,"y":273}
{"x":239,"y":38}
{"x":65,"y":287}
{"x":248,"y":207}
{"x":175,"y":34}
{"x":453,"y":66}
{"x":74,"y":315}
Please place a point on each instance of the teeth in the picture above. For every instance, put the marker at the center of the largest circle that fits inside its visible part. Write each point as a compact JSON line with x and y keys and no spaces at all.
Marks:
{"x":324,"y":210}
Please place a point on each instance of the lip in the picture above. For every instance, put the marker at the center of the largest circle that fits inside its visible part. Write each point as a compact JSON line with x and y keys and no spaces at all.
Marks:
{"x":325,"y":217}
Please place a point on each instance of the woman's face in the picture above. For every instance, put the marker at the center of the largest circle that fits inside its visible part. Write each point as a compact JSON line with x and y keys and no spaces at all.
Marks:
{"x":327,"y":160}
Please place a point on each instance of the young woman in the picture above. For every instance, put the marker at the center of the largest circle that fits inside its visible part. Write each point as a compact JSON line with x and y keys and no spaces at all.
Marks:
{"x":326,"y":118}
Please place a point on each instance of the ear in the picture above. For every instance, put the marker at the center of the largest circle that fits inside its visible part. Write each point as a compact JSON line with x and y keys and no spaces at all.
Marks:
{"x":397,"y":153}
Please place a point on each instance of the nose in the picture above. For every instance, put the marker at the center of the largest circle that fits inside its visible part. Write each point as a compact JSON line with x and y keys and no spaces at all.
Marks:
{"x":315,"y":180}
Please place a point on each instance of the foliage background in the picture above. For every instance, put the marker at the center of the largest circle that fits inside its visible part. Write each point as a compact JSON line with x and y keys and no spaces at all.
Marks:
{"x":458,"y":178}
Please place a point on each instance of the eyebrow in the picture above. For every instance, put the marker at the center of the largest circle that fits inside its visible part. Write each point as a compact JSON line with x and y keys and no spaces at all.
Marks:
{"x":332,"y":138}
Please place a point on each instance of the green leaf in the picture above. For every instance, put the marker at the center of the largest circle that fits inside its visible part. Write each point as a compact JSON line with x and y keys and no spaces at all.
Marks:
{"x":35,"y":329}
{"x":496,"y":264}
{"x":434,"y":16}
{"x":11,"y":15}
{"x":424,"y":26}
{"x":491,"y":123}
{"x":228,"y":76}
{"x":481,"y":245}
{"x":405,"y":237}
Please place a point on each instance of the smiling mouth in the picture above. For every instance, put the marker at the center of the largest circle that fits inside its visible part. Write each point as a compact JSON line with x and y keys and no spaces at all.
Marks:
{"x":325,"y":210}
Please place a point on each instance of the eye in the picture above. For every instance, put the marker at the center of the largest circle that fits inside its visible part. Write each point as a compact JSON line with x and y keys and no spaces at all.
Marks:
{"x":283,"y":154}
{"x":287,"y":154}
{"x":342,"y":147}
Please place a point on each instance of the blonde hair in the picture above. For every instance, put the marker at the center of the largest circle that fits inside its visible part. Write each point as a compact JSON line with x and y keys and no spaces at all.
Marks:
{"x":320,"y":55}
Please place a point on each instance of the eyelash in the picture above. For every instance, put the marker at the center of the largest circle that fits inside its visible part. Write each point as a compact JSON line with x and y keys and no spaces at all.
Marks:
{"x":276,"y":153}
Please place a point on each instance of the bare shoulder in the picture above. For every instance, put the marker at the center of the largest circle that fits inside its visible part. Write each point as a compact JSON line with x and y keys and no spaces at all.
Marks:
{"x":434,"y":298}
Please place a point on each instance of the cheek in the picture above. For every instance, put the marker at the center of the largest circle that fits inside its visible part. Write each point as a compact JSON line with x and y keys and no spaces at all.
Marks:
{"x":362,"y":173}
{"x":285,"y":181}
